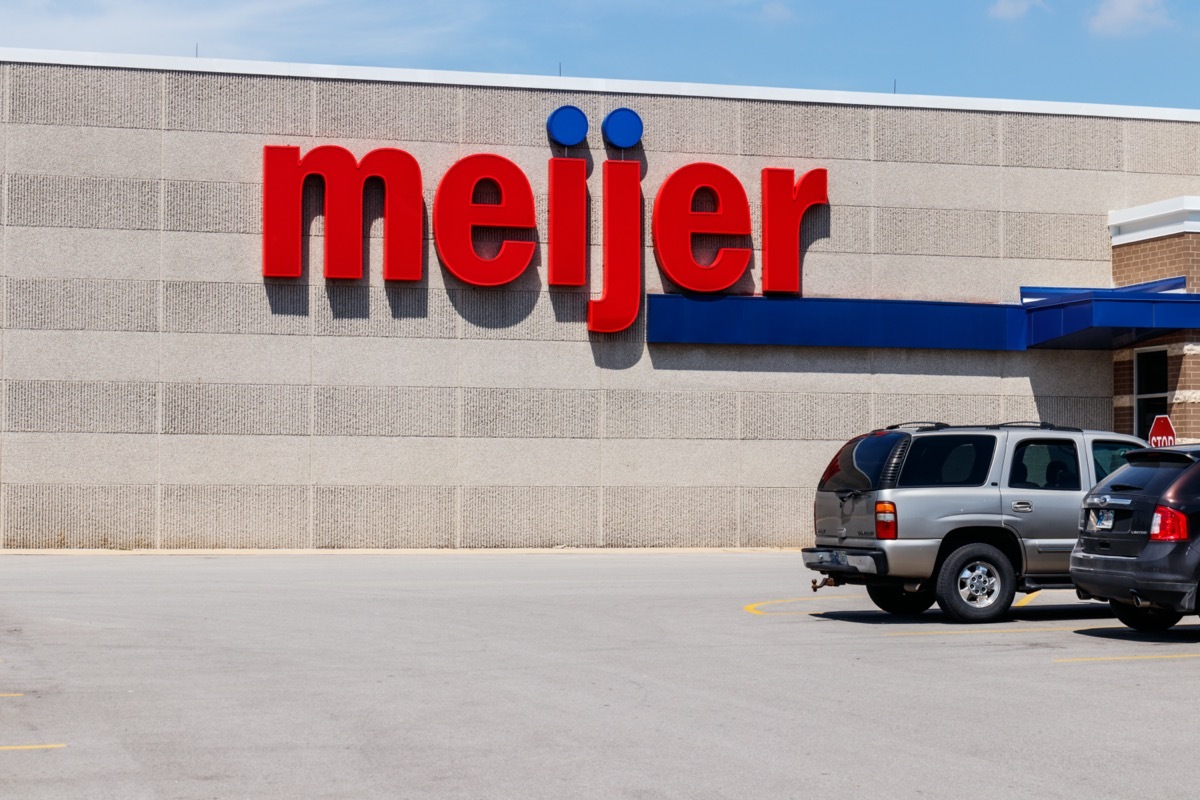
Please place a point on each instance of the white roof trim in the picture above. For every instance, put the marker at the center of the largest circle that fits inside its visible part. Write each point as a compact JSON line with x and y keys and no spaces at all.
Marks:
{"x":219,"y":65}
{"x":1155,"y":220}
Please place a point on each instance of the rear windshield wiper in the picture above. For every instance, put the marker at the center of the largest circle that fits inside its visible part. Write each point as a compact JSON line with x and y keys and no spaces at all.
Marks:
{"x":850,"y":494}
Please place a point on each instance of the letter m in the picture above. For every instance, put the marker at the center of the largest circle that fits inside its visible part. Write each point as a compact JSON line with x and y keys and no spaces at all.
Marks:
{"x":284,"y":172}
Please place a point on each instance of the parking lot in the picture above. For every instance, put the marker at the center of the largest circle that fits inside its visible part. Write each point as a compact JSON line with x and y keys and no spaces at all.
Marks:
{"x":564,"y":674}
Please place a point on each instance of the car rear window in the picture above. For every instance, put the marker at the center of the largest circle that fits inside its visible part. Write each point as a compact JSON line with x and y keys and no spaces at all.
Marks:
{"x":860,"y":462}
{"x":948,"y":460}
{"x":1110,"y":456}
{"x":1142,"y":477}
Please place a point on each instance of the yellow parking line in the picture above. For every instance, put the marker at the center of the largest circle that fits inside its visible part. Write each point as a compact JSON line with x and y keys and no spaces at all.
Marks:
{"x":31,"y":746}
{"x":753,"y":608}
{"x":1026,"y":600}
{"x":1125,"y":658}
{"x":14,"y":694}
{"x":984,"y":630}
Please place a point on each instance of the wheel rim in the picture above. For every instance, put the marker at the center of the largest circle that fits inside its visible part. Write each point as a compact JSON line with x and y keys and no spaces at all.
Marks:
{"x":979,"y":584}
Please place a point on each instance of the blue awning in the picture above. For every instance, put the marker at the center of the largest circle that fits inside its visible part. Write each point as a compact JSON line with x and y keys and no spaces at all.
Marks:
{"x":1048,"y":318}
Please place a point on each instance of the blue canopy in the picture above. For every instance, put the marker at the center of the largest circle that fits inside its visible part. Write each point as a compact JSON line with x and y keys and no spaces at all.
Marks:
{"x":1047,"y":318}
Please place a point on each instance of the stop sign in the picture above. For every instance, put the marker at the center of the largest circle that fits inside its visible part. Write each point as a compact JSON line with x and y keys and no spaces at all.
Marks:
{"x":1162,"y":432}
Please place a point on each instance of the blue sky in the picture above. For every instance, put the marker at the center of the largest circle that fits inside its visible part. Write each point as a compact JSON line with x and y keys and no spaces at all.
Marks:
{"x":1101,"y":51}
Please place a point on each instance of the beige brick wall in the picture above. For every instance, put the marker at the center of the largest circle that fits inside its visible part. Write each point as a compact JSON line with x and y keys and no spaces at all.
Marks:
{"x":158,"y":393}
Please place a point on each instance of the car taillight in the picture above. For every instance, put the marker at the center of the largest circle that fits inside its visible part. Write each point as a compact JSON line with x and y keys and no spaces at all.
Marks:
{"x":1168,"y":525}
{"x":885,"y":520}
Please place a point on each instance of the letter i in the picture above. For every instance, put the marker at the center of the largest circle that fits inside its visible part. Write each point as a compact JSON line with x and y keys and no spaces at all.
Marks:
{"x":621,"y":298}
{"x":568,"y":222}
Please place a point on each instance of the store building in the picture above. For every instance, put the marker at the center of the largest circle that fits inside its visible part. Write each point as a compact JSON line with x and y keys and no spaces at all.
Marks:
{"x":186,"y":365}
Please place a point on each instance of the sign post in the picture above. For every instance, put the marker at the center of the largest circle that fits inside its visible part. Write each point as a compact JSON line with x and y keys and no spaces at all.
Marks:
{"x":1162,"y":432}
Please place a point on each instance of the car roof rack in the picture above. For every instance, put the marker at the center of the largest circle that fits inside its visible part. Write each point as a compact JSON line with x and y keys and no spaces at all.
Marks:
{"x":1045,"y":426}
{"x":922,"y":425}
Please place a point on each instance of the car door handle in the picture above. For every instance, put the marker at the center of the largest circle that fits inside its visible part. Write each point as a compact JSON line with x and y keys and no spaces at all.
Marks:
{"x":1023,"y":506}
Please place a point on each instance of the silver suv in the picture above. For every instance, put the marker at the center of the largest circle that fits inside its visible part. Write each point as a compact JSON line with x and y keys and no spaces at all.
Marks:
{"x":964,"y":516}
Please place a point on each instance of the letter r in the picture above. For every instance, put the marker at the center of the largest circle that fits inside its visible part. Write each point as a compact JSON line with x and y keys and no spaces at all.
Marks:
{"x":785,"y":200}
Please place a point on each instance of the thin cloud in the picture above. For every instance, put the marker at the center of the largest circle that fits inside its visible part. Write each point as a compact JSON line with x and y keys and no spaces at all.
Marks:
{"x":776,"y":12}
{"x":1128,"y":17}
{"x":313,"y":30}
{"x":1012,"y":9}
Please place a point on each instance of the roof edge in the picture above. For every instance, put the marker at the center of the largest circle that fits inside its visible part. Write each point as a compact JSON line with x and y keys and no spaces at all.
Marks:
{"x":1155,"y":220}
{"x":15,"y":55}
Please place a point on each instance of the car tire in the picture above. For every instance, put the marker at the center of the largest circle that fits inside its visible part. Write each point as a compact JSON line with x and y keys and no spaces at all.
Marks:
{"x":1147,"y":620}
{"x":894,"y":600}
{"x":976,"y":583}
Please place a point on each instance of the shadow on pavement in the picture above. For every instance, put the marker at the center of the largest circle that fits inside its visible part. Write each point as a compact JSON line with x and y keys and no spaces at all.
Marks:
{"x":1049,"y":613}
{"x":1180,"y":634}
{"x":1027,"y":614}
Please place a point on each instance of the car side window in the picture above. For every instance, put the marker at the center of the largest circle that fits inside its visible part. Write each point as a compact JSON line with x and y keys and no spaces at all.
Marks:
{"x":948,"y":460}
{"x":1107,"y":456}
{"x":1045,"y":464}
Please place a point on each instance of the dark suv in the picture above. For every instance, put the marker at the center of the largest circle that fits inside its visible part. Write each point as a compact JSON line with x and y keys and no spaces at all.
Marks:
{"x":962,"y":516}
{"x":1139,"y":543}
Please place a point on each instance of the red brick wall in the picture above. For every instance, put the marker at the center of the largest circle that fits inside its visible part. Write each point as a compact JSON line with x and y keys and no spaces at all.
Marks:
{"x":1183,"y":374}
{"x":1148,"y":261}
{"x":1123,"y":377}
{"x":1158,"y":258}
{"x":1123,"y":419}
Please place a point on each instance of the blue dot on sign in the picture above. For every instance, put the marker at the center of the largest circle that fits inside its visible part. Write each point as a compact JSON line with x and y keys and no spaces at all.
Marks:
{"x":567,"y":125}
{"x":622,"y":127}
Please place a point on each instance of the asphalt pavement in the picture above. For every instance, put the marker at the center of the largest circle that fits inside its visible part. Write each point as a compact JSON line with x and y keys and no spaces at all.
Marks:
{"x":564,"y":675}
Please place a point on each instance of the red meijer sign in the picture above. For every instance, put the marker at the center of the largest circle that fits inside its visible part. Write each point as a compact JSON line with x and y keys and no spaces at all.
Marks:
{"x":456,"y":215}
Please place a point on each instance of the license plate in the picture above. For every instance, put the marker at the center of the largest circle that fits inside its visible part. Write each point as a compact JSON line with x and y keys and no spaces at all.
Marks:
{"x":834,"y":557}
{"x":1104,"y":519}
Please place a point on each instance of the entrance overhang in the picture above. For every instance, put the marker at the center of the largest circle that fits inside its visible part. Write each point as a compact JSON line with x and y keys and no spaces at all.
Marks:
{"x":1047,"y":318}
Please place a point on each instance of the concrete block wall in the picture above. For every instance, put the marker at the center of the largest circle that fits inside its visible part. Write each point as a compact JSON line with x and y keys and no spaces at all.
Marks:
{"x":159,"y":393}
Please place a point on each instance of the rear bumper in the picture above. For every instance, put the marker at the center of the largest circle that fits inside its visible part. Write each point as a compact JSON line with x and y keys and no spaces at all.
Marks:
{"x":897,"y":558}
{"x":845,"y":561}
{"x":1164,"y":574}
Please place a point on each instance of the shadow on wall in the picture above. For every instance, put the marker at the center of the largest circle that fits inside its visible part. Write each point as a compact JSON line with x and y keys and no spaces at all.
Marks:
{"x":1071,"y":388}
{"x":626,"y":349}
{"x":636,"y":153}
{"x":1065,"y":388}
{"x":286,"y":298}
{"x":479,"y":306}
{"x":351,"y":299}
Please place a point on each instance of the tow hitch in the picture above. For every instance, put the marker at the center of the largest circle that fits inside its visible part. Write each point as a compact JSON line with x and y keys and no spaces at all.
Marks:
{"x":826,"y":581}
